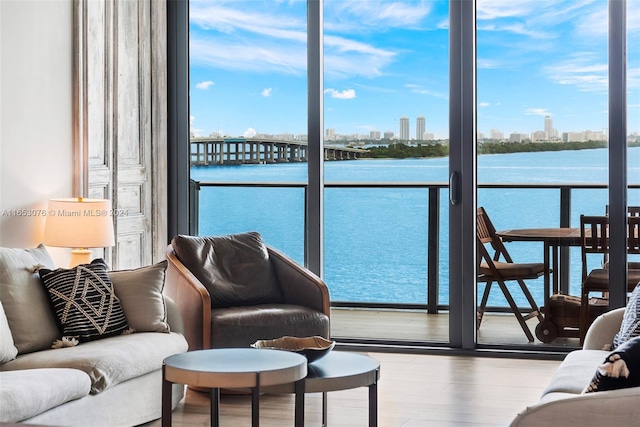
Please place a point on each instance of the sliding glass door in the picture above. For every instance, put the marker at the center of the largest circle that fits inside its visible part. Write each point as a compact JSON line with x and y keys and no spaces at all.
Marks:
{"x":360,"y":138}
{"x":551,"y":148}
{"x":386,"y":80}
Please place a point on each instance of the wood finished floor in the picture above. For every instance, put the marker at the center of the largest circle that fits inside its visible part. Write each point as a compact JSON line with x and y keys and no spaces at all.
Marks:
{"x":414,"y":391}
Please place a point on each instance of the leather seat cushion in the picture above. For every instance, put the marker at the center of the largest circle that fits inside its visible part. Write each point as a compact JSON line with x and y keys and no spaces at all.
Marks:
{"x":511,"y":269}
{"x":242,"y":326}
{"x":235,"y":269}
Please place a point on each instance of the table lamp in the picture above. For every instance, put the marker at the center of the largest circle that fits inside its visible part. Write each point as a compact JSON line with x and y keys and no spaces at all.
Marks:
{"x":79,"y":224}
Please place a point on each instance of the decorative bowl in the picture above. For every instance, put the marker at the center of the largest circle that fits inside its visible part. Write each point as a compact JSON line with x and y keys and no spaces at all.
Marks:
{"x":313,"y":348}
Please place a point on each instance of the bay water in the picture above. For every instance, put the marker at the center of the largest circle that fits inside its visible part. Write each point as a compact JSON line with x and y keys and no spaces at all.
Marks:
{"x":375,"y":239}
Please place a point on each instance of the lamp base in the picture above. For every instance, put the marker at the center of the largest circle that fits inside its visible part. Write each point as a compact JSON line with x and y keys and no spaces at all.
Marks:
{"x":80,"y":256}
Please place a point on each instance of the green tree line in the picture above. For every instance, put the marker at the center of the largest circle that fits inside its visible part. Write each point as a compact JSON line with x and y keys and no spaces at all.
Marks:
{"x":403,"y":151}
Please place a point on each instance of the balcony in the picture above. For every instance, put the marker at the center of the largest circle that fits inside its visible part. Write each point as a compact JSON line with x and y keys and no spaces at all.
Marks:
{"x":424,"y":321}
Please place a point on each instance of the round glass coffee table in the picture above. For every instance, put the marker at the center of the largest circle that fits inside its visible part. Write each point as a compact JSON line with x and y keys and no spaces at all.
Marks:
{"x":338,"y":370}
{"x":234,"y":368}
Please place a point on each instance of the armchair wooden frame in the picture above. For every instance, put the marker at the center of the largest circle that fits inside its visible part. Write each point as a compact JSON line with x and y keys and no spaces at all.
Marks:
{"x":492,"y":269}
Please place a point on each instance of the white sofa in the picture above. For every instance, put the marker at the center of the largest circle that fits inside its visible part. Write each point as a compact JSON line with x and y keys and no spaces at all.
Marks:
{"x":563,"y":403}
{"x":114,"y":381}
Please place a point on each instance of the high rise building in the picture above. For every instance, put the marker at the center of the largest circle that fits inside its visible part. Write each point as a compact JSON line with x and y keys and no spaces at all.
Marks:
{"x":548,"y":127}
{"x":420,"y":127}
{"x":404,"y":128}
{"x":496,"y":134}
{"x":374,"y":134}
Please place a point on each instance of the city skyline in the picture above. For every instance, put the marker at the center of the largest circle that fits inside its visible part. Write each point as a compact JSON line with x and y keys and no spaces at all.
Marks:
{"x":385,"y":59}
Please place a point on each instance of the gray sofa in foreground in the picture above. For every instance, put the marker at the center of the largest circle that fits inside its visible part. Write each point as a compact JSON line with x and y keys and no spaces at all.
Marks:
{"x":112,"y":381}
{"x":563,"y":402}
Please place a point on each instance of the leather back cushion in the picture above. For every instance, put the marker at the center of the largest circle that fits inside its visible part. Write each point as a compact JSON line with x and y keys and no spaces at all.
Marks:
{"x":235,"y":269}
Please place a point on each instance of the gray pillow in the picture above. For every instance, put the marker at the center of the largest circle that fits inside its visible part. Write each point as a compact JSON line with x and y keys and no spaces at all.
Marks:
{"x":30,"y":317}
{"x":235,"y":269}
{"x":140,"y":295}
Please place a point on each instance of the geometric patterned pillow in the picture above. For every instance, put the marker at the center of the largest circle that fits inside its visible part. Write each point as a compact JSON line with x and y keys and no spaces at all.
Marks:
{"x":630,"y":326}
{"x":84,"y":301}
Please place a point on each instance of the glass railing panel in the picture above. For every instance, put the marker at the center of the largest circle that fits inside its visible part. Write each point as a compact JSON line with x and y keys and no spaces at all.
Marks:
{"x":376,"y":245}
{"x":276,"y":213}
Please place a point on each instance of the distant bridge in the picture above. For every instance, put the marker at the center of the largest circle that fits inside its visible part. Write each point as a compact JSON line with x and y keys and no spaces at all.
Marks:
{"x":235,"y":151}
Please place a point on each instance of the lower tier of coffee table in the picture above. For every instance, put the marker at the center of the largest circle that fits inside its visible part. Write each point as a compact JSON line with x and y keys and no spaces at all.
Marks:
{"x":339,"y":370}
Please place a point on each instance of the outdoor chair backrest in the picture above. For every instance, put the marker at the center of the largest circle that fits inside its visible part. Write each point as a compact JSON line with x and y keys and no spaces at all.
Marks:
{"x":594,"y":237}
{"x":486,"y":233}
{"x":594,"y":234}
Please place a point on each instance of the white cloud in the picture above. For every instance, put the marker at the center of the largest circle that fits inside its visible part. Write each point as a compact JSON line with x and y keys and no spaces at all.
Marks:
{"x":266,"y":92}
{"x":484,"y":104}
{"x":249,"y":133}
{"x":536,"y":111}
{"x":345,"y":57}
{"x":266,"y":57}
{"x":489,"y":63}
{"x":345,"y":94}
{"x":419,"y":90}
{"x":582,"y":70}
{"x":205,"y":85}
{"x":347,"y":14}
{"x":264,"y":22}
{"x":281,"y":45}
{"x":192,"y":130}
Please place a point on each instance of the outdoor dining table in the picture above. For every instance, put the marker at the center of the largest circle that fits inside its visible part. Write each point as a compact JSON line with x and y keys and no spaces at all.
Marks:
{"x":553,"y":239}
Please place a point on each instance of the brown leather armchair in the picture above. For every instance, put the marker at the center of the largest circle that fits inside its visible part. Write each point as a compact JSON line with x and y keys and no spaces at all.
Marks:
{"x":234,"y":290}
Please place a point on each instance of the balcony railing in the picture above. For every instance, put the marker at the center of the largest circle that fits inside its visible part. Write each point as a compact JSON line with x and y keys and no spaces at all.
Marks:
{"x":433,"y":217}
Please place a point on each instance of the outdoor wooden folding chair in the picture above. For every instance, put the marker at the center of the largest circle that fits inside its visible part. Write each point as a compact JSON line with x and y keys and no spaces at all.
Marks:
{"x":500,"y":268}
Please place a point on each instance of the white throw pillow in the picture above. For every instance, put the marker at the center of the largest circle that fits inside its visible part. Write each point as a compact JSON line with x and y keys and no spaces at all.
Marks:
{"x":8,"y":350}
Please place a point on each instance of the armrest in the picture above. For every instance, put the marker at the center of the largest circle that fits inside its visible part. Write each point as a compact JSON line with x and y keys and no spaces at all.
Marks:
{"x":299,"y":285}
{"x":613,"y":408}
{"x":603,"y":329}
{"x":193,"y":301}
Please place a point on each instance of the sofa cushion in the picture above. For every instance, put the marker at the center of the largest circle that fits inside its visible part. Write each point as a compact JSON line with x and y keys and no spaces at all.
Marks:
{"x":109,"y":361}
{"x":621,"y":368}
{"x":242,"y":326}
{"x":235,"y":269}
{"x":575,"y":371}
{"x":140,"y":295}
{"x":8,"y":350}
{"x":36,"y":328}
{"x":630,"y":326}
{"x":84,"y":301}
{"x":27,"y":393}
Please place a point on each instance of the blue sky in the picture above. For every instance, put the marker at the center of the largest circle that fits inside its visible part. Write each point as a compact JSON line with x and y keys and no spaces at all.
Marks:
{"x":387,"y":59}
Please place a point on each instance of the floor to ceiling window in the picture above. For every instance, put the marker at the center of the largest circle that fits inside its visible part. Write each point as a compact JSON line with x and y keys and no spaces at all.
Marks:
{"x":541,"y":85}
{"x":386,"y":95}
{"x":248,"y":118}
{"x":543,"y":122}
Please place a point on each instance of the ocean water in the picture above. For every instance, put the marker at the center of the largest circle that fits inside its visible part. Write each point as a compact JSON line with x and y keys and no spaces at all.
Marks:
{"x":376,"y":238}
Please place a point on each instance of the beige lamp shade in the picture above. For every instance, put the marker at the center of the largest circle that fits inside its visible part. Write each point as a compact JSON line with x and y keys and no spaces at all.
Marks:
{"x":79,"y":223}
